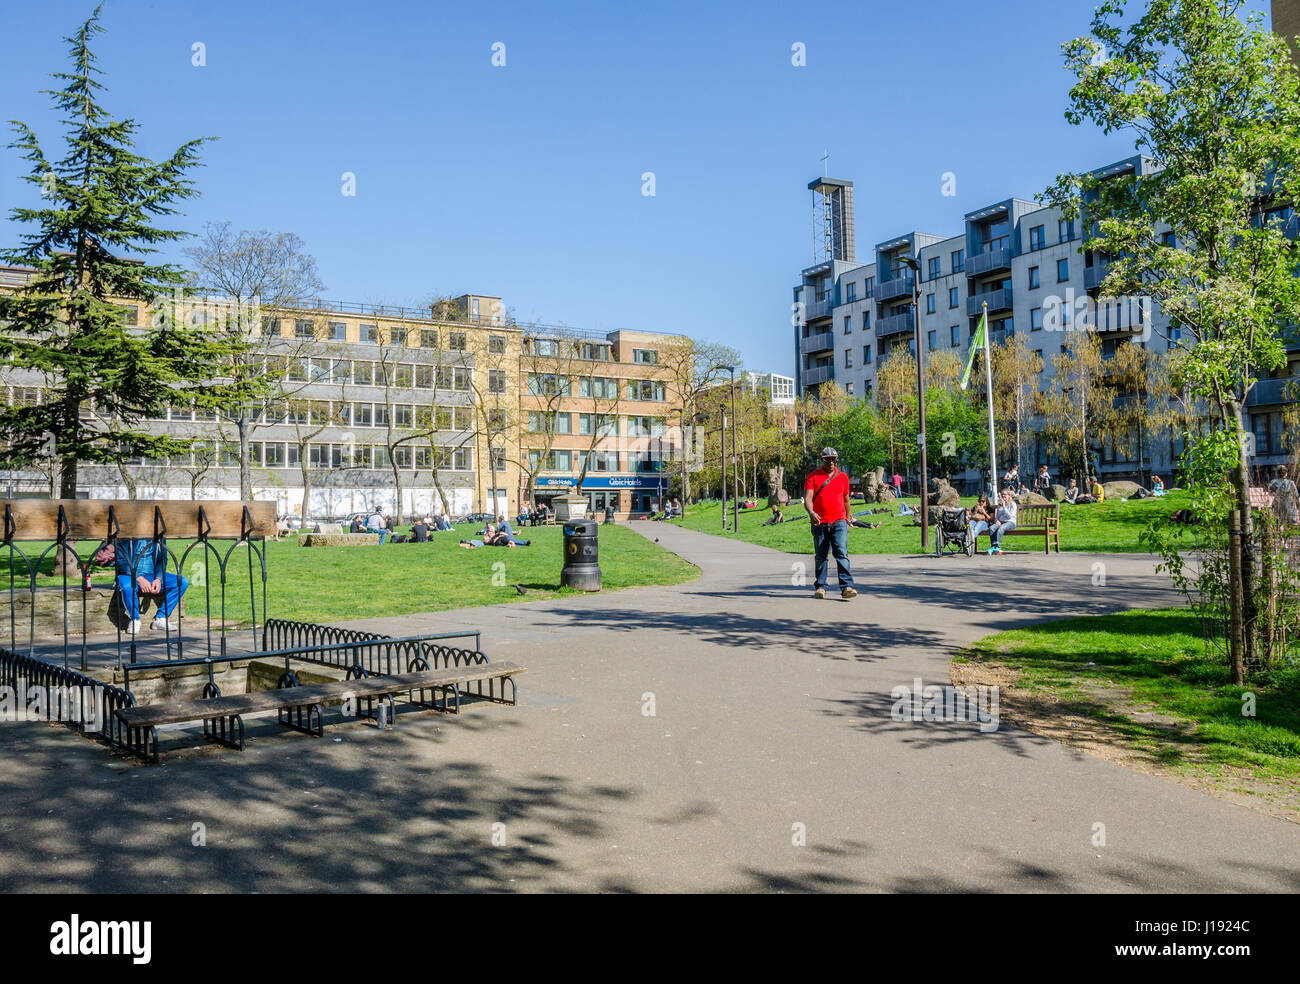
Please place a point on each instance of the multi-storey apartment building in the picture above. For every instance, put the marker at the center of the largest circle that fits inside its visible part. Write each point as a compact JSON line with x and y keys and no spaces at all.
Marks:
{"x":372,"y":403}
{"x":1027,"y":264}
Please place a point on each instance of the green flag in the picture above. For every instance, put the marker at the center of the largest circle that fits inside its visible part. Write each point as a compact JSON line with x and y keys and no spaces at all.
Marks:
{"x":976,"y":343}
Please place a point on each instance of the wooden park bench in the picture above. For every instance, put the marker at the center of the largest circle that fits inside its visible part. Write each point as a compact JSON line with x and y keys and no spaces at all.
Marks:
{"x":299,"y":707}
{"x":1044,"y":521}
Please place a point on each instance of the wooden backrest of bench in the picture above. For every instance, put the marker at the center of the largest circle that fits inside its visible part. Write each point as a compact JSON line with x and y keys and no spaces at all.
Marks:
{"x":1037,"y":516}
{"x":179,"y":711}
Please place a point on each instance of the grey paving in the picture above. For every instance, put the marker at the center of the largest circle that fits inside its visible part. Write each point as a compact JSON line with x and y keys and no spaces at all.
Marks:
{"x":771,"y":710}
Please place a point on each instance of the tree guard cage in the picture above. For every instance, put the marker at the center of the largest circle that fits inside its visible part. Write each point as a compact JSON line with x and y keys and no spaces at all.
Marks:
{"x":56,"y":529}
{"x":86,"y":677}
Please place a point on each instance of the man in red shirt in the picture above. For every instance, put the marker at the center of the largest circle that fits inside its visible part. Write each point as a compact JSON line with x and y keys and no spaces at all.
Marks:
{"x":826,"y":497}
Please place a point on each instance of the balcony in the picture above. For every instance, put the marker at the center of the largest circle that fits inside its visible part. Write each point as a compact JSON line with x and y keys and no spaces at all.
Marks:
{"x":997,"y":300}
{"x":903,"y":286}
{"x":1272,"y":392}
{"x":817,"y":309}
{"x":1094,"y":275}
{"x":895,"y":323}
{"x":818,"y":375}
{"x":989,"y":261}
{"x":818,"y":343}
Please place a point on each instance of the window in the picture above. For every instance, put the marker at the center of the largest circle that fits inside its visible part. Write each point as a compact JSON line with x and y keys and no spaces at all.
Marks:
{"x":497,"y":462}
{"x":462,"y":378}
{"x":931,"y":339}
{"x":428,"y":338}
{"x":457,"y":341}
{"x":424,"y":377}
{"x":369,"y":334}
{"x":1169,"y":239}
{"x":602,"y":461}
{"x":929,"y":304}
{"x":402,"y":376}
{"x":866,"y":355}
{"x":396,"y":335}
{"x":848,"y":324}
{"x":463,"y":459}
{"x":598,"y":387}
{"x":496,"y":380}
{"x":1065,"y":229}
{"x":953,"y":297}
{"x":1062,"y":269}
{"x":934,"y":268}
{"x":955,"y":333}
{"x":1036,"y":240}
{"x":645,"y":357}
{"x":866,"y":388}
{"x":1034,"y":280}
{"x":851,"y":292}
{"x":403,"y":415}
{"x":958,"y":260}
{"x":646,"y":389}
{"x":541,"y":422}
{"x":866,"y":320}
{"x":869,"y":288}
{"x":303,"y":328}
{"x":273,"y":455}
{"x":646,"y":426}
{"x":606,"y":423}
{"x":548,"y":384}
{"x":848,"y":358}
{"x":363,"y":373}
{"x":337,"y":331}
{"x":1036,"y":319}
{"x":848,"y":388}
{"x":342,"y":371}
{"x":270,"y":327}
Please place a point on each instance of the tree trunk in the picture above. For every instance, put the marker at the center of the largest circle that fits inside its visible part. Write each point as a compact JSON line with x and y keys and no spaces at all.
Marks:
{"x":1246,"y":571}
{"x":397,"y":483}
{"x":305,"y":465}
{"x":245,"y":471}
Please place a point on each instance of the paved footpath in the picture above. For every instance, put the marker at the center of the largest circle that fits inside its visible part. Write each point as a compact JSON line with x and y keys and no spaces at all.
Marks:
{"x":771,"y":710}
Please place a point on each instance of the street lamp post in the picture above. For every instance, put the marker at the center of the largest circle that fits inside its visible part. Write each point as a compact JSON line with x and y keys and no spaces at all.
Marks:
{"x":915,"y":266}
{"x":723,"y":458}
{"x":735,"y":487}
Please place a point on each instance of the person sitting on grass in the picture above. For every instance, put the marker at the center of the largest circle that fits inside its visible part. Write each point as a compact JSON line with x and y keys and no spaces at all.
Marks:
{"x":1098,"y":491}
{"x":980,"y":516}
{"x":1157,"y":485}
{"x":777,"y":516}
{"x":141,"y":567}
{"x":1005,"y":522}
{"x":1079,"y":498}
{"x":420,"y":531}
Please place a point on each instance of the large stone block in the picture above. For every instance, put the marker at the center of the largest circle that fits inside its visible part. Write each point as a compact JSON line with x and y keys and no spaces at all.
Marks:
{"x":1055,"y":493}
{"x":1120,"y":490}
{"x":339,"y":540}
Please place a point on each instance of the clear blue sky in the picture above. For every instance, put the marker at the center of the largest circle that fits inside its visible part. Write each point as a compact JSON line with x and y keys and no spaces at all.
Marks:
{"x":525,"y":181}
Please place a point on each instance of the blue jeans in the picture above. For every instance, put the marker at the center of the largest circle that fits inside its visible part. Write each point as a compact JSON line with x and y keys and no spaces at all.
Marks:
{"x":173,"y":588}
{"x":828,"y":539}
{"x":977,"y":527}
{"x":996,"y":531}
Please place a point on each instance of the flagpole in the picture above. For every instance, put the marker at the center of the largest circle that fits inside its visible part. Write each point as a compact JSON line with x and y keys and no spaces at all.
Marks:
{"x":988,"y":380}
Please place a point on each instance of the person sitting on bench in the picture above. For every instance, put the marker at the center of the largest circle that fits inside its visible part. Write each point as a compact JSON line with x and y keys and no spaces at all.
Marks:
{"x":980,"y":516}
{"x":141,"y":567}
{"x":1006,"y":521}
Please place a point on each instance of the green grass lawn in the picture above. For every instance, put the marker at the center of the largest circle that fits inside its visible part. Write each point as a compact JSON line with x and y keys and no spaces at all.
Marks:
{"x":1116,"y":668}
{"x":1106,"y":527}
{"x":329,"y":584}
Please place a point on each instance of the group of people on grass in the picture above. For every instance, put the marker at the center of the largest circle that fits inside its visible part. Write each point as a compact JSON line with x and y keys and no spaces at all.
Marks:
{"x":498,"y":534}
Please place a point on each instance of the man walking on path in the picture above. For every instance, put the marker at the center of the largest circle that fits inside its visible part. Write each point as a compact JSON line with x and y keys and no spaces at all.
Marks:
{"x":826,"y":497}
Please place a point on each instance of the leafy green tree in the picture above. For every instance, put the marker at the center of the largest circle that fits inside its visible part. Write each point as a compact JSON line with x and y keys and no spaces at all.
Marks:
{"x":88,"y":247}
{"x":1213,"y":99}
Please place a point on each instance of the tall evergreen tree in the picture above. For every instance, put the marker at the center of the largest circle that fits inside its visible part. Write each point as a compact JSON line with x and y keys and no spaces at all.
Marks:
{"x":90,"y":249}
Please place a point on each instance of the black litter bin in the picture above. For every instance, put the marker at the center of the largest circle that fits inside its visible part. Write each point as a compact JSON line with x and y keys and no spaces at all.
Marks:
{"x":581,"y":570}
